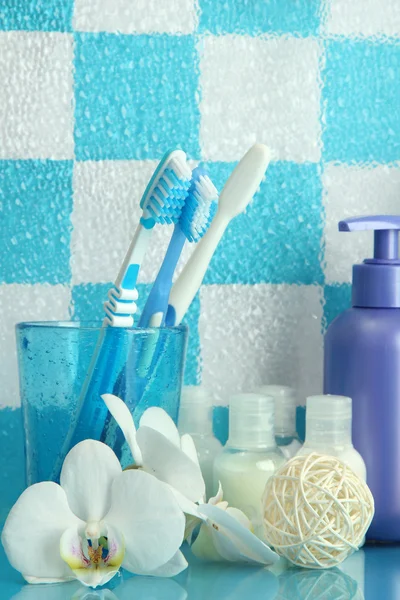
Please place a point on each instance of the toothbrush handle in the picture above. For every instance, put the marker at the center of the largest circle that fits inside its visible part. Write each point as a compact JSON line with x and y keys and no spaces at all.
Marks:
{"x":186,"y":286}
{"x":91,"y":412}
{"x":157,"y":301}
{"x":129,"y":271}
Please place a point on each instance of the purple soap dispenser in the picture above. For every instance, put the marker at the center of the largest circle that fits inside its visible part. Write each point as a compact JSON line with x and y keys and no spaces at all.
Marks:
{"x":362,"y":361}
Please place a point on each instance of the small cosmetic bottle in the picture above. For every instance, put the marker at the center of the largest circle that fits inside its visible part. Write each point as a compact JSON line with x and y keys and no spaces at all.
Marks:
{"x":328,"y":431}
{"x":196,"y":418}
{"x":285,"y":400}
{"x":250,"y":456}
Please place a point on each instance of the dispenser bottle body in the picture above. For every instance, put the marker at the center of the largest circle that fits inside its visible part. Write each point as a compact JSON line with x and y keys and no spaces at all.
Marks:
{"x":362,"y":361}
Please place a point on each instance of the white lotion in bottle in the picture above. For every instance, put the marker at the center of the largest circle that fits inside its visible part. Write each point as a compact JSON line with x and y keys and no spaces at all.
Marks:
{"x":250,"y":456}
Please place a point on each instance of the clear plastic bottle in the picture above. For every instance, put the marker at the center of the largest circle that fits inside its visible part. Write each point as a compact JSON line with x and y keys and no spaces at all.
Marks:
{"x":285,"y":400}
{"x":328,"y":431}
{"x":196,"y":418}
{"x":250,"y":456}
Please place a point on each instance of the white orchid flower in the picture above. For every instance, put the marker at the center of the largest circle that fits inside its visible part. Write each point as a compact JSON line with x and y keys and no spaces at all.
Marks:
{"x":225,"y":535}
{"x":158,"y":449}
{"x":225,"y":532}
{"x":98,"y":519}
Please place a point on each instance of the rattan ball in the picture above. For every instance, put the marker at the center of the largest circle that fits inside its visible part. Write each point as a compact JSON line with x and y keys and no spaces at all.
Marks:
{"x":316,"y":511}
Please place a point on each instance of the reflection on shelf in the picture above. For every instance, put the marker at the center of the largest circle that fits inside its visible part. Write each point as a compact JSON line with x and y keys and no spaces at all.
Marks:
{"x":372,"y":573}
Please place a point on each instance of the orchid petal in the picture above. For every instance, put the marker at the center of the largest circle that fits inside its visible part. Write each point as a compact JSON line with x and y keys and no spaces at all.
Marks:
{"x":193,"y":518}
{"x":189,"y":448}
{"x":156,"y":418}
{"x":239,"y":516}
{"x":204,"y":547}
{"x":92,"y":566}
{"x":146,"y":511}
{"x":227,"y":549}
{"x":191,"y":525}
{"x":218,"y":497}
{"x":116,"y":547}
{"x":38,"y":581}
{"x":186,"y":506}
{"x":168,"y":463}
{"x":71,"y":549}
{"x":123,"y":417}
{"x":95,"y":577}
{"x":174,"y":566}
{"x":86,"y":476}
{"x":234,"y":541}
{"x":32,"y":532}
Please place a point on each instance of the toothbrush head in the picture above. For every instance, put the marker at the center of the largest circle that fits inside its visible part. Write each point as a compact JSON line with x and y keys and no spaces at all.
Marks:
{"x":166,"y":191}
{"x":244,"y":181}
{"x":200,"y":206}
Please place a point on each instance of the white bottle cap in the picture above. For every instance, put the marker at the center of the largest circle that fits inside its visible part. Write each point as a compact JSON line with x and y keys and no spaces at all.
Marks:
{"x":328,"y":420}
{"x":195,"y":411}
{"x":285,"y":407}
{"x":251,"y":421}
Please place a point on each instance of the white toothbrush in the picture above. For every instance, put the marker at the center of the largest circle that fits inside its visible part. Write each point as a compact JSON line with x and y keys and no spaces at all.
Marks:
{"x":235,"y":196}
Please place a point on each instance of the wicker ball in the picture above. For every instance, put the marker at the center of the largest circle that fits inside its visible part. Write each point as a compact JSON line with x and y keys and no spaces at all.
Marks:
{"x":316,"y":511}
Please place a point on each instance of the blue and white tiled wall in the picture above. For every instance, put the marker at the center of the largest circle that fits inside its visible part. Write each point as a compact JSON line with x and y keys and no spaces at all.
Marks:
{"x":92,"y":92}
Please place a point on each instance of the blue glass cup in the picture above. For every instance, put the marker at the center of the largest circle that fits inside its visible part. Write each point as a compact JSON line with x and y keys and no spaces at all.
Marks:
{"x":65,"y":367}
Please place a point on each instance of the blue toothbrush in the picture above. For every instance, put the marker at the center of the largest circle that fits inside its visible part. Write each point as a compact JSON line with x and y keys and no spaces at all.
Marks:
{"x":162,"y":202}
{"x":197,"y":214}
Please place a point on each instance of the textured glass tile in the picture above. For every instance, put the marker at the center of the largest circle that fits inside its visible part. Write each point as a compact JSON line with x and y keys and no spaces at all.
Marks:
{"x":278,"y":239}
{"x":35,"y":225}
{"x":301,"y":17}
{"x":36,"y":15}
{"x":361,"y":94}
{"x":337,"y":298}
{"x":136,"y":96}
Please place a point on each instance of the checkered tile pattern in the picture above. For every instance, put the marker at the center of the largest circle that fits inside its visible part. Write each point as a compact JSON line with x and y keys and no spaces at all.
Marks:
{"x":92,"y":94}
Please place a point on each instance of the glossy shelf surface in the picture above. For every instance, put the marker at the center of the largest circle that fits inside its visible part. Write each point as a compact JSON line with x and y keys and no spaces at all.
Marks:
{"x":372,"y":573}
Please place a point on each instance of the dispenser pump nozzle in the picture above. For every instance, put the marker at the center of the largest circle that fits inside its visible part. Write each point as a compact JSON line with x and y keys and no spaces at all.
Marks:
{"x":386,"y":234}
{"x":377,"y":287}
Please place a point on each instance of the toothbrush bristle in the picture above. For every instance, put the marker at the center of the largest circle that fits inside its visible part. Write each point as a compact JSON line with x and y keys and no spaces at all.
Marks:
{"x":168,"y":195}
{"x":199,"y":208}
